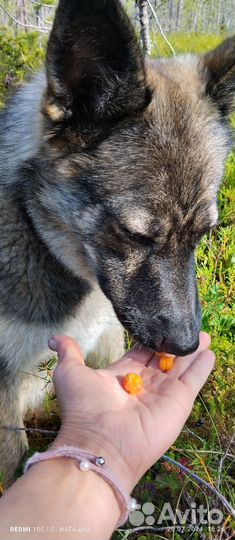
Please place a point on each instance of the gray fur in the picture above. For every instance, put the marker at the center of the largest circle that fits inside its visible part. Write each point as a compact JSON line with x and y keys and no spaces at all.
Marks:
{"x":109,"y":178}
{"x":22,"y":126}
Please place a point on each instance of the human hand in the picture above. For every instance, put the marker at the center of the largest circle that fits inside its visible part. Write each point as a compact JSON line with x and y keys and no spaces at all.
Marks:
{"x":131,"y":432}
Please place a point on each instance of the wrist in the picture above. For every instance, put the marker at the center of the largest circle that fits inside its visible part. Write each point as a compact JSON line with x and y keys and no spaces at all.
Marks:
{"x":98,"y":446}
{"x":90,"y":503}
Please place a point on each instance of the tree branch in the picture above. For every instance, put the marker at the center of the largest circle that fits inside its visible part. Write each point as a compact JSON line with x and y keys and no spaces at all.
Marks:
{"x":43,"y":29}
{"x":159,"y":27}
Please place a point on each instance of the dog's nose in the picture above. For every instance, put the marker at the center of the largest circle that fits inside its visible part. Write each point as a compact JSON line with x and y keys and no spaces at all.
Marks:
{"x":179,"y":347}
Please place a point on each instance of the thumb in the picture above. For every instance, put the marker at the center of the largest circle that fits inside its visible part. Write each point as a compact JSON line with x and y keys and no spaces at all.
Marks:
{"x":67,"y":349}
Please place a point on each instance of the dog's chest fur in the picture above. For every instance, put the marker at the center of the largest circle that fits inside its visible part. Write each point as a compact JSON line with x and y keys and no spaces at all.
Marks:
{"x":39,"y":297}
{"x":24,"y":344}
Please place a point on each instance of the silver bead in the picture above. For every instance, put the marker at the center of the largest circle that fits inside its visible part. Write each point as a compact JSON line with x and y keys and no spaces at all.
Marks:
{"x":84,"y":465}
{"x":132,"y":505}
{"x":100,"y":461}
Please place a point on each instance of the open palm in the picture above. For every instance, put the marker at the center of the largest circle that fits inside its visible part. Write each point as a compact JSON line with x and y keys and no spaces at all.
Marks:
{"x":131,"y":432}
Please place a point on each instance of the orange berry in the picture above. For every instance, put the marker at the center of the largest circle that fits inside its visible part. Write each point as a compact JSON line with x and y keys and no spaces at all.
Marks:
{"x":166,"y":362}
{"x":133,"y":383}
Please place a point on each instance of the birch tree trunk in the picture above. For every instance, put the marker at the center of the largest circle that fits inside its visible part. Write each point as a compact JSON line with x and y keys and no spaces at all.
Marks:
{"x":21,"y":13}
{"x":197,"y":14}
{"x":219,"y":16}
{"x":179,"y":11}
{"x":144,"y":23}
{"x":170,"y":6}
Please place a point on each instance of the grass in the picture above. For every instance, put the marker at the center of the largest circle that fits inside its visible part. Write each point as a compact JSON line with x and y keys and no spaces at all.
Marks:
{"x":185,"y":43}
{"x":20,"y":56}
{"x":208,"y":434}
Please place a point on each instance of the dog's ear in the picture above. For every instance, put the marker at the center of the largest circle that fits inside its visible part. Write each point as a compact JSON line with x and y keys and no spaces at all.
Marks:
{"x":95,"y":69}
{"x":220,"y":76}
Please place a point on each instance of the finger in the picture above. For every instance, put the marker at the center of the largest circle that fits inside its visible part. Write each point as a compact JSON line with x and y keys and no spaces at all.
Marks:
{"x":182,"y":363}
{"x":67,"y":348}
{"x":198,"y":372}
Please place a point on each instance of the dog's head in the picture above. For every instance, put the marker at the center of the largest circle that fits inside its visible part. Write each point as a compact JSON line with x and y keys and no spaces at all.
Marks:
{"x":135,"y":154}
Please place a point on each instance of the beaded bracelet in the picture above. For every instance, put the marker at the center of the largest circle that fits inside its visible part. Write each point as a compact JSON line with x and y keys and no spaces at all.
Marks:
{"x":88,"y":462}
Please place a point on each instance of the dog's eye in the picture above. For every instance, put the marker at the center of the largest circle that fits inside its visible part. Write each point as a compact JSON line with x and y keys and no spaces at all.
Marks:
{"x":197,"y":237}
{"x":137,"y":238}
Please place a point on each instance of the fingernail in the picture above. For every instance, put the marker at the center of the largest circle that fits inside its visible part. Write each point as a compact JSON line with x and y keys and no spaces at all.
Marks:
{"x":52,"y":344}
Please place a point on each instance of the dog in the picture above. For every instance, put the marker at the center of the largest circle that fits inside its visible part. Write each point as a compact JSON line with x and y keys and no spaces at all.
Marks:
{"x":110,"y":170}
